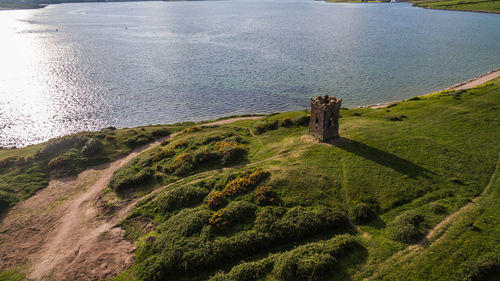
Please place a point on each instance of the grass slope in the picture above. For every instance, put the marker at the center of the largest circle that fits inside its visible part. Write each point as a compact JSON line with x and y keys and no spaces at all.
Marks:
{"x":333,"y":211}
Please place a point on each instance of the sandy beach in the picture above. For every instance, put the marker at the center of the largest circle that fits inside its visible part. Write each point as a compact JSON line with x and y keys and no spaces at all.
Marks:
{"x":474,"y":82}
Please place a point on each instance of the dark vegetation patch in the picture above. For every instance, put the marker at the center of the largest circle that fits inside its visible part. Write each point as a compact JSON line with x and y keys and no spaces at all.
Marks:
{"x":193,"y":240}
{"x":363,"y":212}
{"x":311,"y":261}
{"x":486,"y":267}
{"x":177,"y":198}
{"x":264,"y":126}
{"x":396,"y":117}
{"x":261,"y":127}
{"x":405,"y":227}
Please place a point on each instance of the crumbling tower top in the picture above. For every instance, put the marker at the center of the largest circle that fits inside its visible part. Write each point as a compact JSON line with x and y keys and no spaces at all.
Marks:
{"x":324,"y":102}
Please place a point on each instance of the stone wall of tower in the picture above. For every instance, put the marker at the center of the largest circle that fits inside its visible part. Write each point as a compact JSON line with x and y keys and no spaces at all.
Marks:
{"x":325,"y":113}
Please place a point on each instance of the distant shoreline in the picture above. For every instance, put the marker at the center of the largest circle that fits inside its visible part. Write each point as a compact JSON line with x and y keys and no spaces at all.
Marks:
{"x":40,"y":6}
{"x":7,"y":8}
{"x":471,"y":83}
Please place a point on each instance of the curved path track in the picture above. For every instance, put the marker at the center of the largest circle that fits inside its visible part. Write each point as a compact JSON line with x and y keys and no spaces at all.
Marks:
{"x":62,"y":232}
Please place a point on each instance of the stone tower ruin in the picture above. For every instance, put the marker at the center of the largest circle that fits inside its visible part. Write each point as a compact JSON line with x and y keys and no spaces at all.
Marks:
{"x":324,"y":122}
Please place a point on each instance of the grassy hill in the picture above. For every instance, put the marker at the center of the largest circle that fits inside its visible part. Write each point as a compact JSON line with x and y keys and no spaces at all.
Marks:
{"x":285,"y":207}
{"x":263,"y":200}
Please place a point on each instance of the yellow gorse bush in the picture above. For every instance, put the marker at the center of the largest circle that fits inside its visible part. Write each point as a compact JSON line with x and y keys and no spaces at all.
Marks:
{"x":220,"y":218}
{"x":264,"y":194}
{"x":183,"y":157}
{"x":216,"y":200}
{"x":240,"y":185}
{"x":192,"y":129}
{"x":224,"y":145}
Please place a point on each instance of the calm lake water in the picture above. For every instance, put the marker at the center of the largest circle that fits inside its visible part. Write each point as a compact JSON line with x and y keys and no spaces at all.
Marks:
{"x":75,"y":67}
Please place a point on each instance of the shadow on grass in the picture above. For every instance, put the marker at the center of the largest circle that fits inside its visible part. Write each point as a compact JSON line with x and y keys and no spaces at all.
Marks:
{"x":381,"y":157}
{"x":377,"y":223}
{"x":351,"y":259}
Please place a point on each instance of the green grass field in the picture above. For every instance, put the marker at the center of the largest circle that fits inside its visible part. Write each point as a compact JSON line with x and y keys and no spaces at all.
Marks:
{"x":263,"y":200}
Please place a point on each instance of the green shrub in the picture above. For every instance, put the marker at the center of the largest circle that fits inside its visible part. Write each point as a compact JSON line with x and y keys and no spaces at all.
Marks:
{"x":247,"y":271}
{"x":161,"y":154}
{"x":138,"y":140}
{"x":191,"y":253}
{"x":286,"y":122}
{"x":241,"y":211}
{"x":127,"y":177}
{"x":302,"y":120}
{"x":362,"y":212}
{"x":216,"y":200}
{"x":229,"y":152}
{"x":264,"y":126}
{"x":437,"y":208}
{"x":161,"y":132}
{"x":405,"y":227}
{"x":312,"y":261}
{"x":110,"y":138}
{"x":297,"y":222}
{"x":486,"y":267}
{"x":265,"y":195}
{"x":92,"y":147}
{"x":59,"y":162}
{"x":268,"y":220}
{"x":8,"y":162}
{"x":186,"y":223}
{"x":55,"y":146}
{"x":179,"y":197}
{"x":181,"y":144}
{"x":6,"y":201}
{"x":204,"y":155}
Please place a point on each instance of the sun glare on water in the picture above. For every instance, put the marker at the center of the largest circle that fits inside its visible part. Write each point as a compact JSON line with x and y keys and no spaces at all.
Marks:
{"x":21,"y":92}
{"x":37,"y":93}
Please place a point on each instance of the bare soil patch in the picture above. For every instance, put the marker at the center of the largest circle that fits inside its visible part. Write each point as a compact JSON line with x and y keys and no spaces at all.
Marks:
{"x":62,"y":232}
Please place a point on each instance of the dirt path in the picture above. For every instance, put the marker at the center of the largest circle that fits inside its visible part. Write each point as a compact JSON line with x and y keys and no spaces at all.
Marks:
{"x":62,"y":233}
{"x":231,"y":120}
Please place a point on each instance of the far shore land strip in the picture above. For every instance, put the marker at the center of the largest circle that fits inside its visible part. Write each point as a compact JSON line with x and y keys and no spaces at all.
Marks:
{"x":450,"y":5}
